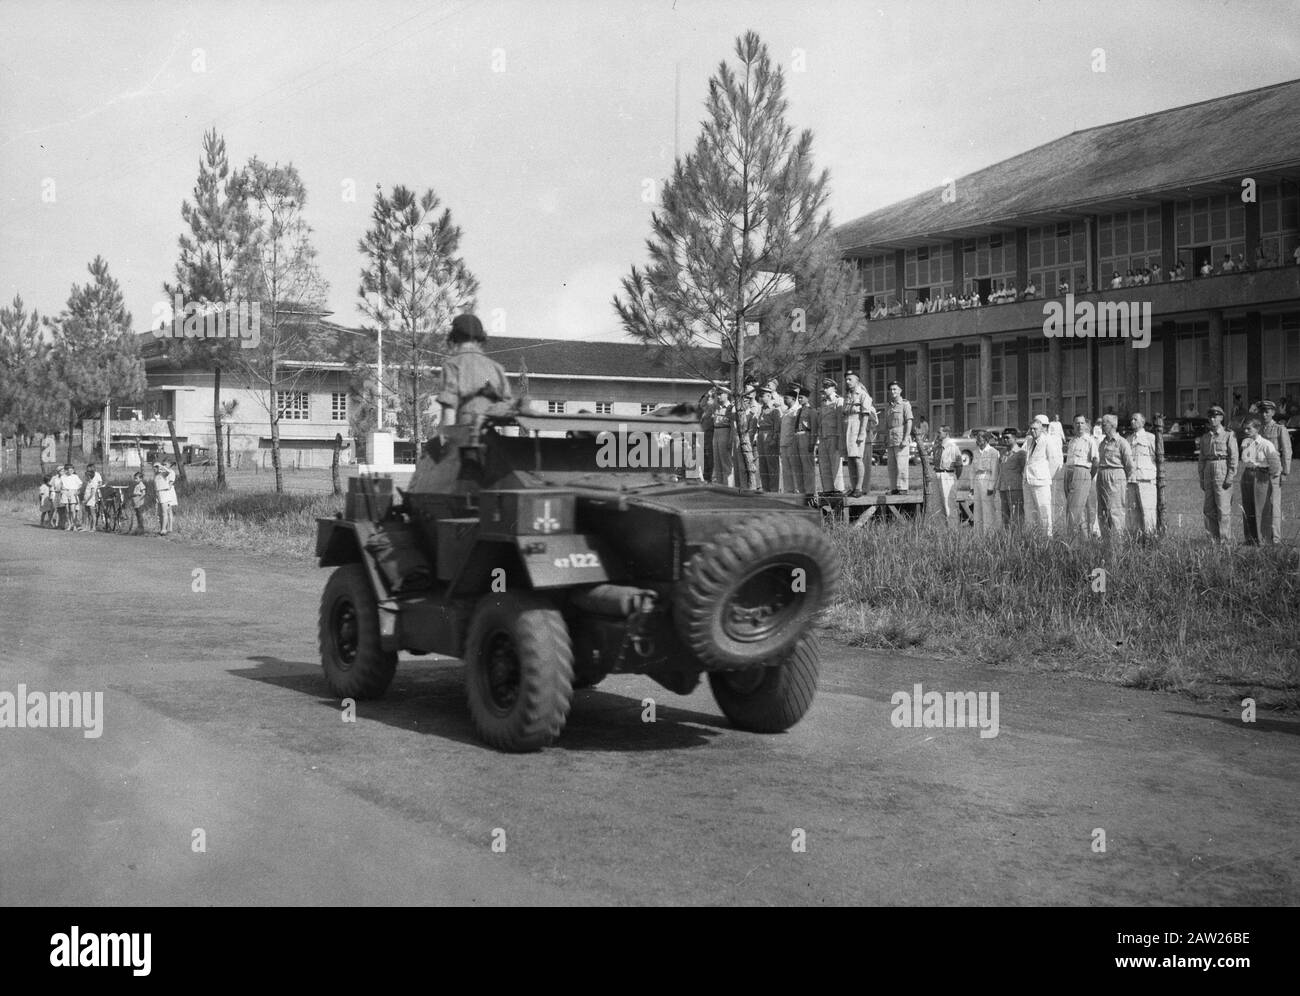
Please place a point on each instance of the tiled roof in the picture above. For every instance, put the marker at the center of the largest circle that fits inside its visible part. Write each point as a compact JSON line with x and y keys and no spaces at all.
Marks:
{"x":1226,"y":138}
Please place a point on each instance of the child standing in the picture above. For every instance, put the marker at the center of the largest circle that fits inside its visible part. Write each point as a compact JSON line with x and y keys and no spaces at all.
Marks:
{"x":165,"y":495}
{"x":46,"y":502}
{"x":138,"y":492}
{"x":93,"y":483}
{"x":71,"y":497}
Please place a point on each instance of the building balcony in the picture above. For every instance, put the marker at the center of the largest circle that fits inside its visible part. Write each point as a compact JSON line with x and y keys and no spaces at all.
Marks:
{"x":1232,"y":293}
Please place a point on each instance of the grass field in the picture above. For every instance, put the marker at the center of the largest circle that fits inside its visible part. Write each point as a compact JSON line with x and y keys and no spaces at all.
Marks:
{"x":1179,"y":614}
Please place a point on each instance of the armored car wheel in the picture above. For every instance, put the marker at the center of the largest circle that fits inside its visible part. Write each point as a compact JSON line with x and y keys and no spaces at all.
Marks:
{"x":355,"y":664}
{"x":518,"y":671}
{"x":748,"y":596}
{"x":770,"y":699}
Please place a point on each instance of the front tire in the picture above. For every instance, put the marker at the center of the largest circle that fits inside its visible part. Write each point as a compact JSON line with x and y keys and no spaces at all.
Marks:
{"x":356,"y":665}
{"x":518,"y":671}
{"x":749,"y":596}
{"x":770,"y":699}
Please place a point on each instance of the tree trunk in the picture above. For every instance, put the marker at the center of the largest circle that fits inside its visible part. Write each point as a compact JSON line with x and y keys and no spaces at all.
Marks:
{"x":1161,"y":515}
{"x":107,"y":438}
{"x":227,"y":448}
{"x":18,"y":456}
{"x":275,"y":433}
{"x":176,"y":450}
{"x":72,"y":421}
{"x":334,"y":464}
{"x":216,"y":423}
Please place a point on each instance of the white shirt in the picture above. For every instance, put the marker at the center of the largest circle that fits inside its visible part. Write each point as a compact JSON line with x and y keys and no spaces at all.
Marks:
{"x":1042,"y":459}
{"x":71,"y":488}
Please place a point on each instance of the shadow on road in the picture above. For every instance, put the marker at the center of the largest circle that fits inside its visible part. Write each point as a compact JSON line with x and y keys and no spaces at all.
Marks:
{"x":431,"y":700}
{"x":1291,"y":726}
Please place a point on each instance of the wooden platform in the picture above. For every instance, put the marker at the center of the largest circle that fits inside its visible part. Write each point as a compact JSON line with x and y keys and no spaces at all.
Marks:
{"x":881,"y":507}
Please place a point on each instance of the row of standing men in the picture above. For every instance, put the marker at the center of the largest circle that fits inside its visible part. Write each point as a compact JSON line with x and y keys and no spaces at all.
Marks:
{"x":776,"y":446}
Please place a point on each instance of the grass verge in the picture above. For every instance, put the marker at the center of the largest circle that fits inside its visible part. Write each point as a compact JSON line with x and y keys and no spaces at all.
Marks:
{"x":1178,"y":615}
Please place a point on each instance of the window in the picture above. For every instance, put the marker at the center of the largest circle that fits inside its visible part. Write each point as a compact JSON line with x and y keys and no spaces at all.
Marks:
{"x":972,"y":366}
{"x":1112,"y":388}
{"x":339,"y":406}
{"x":1281,"y":342}
{"x":1151,"y":380}
{"x":877,"y":273}
{"x":1036,"y":360}
{"x":1193,"y":345}
{"x":1074,"y":381}
{"x":928,"y":270}
{"x":1057,"y":254}
{"x":1218,"y":223}
{"x":943,"y":385}
{"x":1006,"y":380}
{"x":648,"y":406}
{"x":293,"y":406}
{"x":1127,"y":241}
{"x":1279,"y":216}
{"x":604,"y":408}
{"x":555,"y":408}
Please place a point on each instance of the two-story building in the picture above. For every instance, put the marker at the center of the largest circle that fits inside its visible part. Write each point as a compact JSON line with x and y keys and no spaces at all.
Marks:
{"x":1078,"y":215}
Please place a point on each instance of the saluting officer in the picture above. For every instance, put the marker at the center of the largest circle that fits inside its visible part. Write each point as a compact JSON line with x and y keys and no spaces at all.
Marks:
{"x":1218,"y":465}
{"x":805,"y":440}
{"x":859,"y":427}
{"x":724,"y":417}
{"x":1276,"y":433}
{"x":769,"y":441}
{"x":830,"y":437}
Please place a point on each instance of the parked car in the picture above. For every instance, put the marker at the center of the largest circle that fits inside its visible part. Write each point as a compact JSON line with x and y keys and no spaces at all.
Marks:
{"x":1181,"y":435}
{"x":966,"y":443}
{"x":880,"y":458}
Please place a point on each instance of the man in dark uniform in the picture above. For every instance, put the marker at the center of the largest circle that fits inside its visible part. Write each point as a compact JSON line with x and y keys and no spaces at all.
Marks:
{"x":747,"y":413}
{"x":706,"y":426}
{"x":805,"y":439}
{"x":471,"y":382}
{"x":769,"y":442}
{"x":1218,"y":465}
{"x":724,"y":416}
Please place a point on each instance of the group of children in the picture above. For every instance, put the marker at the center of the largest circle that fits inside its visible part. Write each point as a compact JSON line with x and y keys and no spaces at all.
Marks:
{"x":68,"y":502}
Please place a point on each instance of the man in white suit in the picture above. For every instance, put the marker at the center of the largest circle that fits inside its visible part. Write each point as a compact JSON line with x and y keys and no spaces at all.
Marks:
{"x":1042,"y":460}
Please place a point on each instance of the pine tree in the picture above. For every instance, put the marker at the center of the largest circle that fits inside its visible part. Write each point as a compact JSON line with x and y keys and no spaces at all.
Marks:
{"x":94,"y":352}
{"x":31,"y":398}
{"x":413,"y":284}
{"x":742,"y":239}
{"x":287,"y":285}
{"x":212,"y":266}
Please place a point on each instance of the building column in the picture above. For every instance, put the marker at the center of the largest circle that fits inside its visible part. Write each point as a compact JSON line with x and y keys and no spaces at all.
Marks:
{"x":1217,"y":389}
{"x":1094,"y":379}
{"x":922,"y":399}
{"x":986,"y":380}
{"x":1022,"y":259}
{"x":900,"y":282}
{"x":958,"y":419}
{"x":1053,"y":376}
{"x":1169,"y":339}
{"x":958,"y":267}
{"x":1254,"y":358}
{"x":1132,"y":381}
{"x":900,"y":367}
{"x":864,"y":364}
{"x":1022,"y":382}
{"x":1092,"y":260}
{"x":1251,"y":209}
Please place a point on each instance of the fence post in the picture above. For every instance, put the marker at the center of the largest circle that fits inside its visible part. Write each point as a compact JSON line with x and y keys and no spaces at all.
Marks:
{"x":1160,"y":474}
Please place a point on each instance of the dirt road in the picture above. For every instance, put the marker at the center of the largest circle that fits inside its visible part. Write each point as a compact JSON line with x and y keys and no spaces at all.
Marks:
{"x":216,"y":719}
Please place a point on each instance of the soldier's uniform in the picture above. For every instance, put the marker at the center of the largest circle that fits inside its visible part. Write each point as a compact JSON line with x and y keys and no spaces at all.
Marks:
{"x":984,"y":478}
{"x":747,"y":428}
{"x":1142,"y":488}
{"x":830,"y":440}
{"x":860,"y":422}
{"x":898,"y":445}
{"x":1080,"y":463}
{"x":805,"y":437}
{"x":724,"y":418}
{"x":1261,"y":469}
{"x":1218,"y":465}
{"x":1011,"y":476}
{"x":472,"y":383}
{"x":769,"y":448}
{"x":789,"y":459}
{"x":1276,"y":433}
{"x":1114,"y":470}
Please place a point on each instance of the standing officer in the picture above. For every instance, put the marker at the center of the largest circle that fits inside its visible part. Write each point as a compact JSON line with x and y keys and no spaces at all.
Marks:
{"x":1276,"y":433}
{"x":789,"y":459}
{"x":947,"y":465}
{"x":898,"y":437}
{"x":1218,"y":465}
{"x":471,"y":382}
{"x":724,"y":418}
{"x":859,"y":427}
{"x":984,"y":483}
{"x":1042,"y":460}
{"x":769,"y":442}
{"x":1261,"y":473}
{"x":1114,"y":472}
{"x":830,"y":437}
{"x":805,"y":440}
{"x":1080,"y":472}
{"x":1011,"y":476}
{"x":707,"y":404}
{"x":1142,"y":490}
{"x":747,"y":413}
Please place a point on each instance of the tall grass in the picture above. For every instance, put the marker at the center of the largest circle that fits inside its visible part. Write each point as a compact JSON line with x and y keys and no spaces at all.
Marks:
{"x":1174,"y":614}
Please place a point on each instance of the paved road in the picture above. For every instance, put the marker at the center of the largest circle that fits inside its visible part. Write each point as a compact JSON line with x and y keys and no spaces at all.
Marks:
{"x":216,"y":717}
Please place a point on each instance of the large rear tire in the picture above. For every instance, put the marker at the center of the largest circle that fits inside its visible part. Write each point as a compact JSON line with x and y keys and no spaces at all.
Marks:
{"x":770,"y":699}
{"x":518,"y":671}
{"x":749,"y":596}
{"x":355,"y":664}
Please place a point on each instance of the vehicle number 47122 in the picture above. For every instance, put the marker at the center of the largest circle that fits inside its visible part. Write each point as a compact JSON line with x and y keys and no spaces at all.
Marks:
{"x":578,"y":560}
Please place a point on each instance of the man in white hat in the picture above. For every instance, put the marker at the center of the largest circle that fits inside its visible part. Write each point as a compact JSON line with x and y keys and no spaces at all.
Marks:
{"x":1042,"y":460}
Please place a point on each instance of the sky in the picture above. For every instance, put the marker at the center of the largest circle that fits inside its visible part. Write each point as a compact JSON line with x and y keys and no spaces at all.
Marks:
{"x":539,"y":123}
